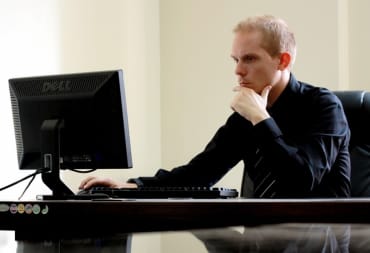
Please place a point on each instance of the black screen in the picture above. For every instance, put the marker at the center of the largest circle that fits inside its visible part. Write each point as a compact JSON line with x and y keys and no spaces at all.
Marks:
{"x":90,"y":109}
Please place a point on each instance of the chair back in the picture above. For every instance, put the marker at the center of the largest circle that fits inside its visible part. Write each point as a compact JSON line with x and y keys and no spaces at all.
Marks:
{"x":356,"y":106}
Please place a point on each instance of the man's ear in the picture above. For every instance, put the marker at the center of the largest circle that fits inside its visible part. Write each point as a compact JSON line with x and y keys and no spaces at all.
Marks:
{"x":285,"y":59}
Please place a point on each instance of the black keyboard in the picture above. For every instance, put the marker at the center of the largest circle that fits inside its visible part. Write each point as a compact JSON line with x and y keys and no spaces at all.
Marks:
{"x":159,"y":192}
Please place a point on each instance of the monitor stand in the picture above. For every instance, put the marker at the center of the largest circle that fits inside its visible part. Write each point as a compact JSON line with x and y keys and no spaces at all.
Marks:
{"x":50,"y":153}
{"x":51,"y":160}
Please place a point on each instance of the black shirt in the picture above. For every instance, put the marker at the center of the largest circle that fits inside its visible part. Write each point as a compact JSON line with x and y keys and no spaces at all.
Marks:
{"x":305,"y":143}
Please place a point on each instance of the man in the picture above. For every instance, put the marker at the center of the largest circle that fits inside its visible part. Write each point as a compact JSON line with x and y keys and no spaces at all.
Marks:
{"x":293,"y":137}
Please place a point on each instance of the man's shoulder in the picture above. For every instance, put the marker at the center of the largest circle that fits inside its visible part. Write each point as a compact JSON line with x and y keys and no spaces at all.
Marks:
{"x":317,"y":94}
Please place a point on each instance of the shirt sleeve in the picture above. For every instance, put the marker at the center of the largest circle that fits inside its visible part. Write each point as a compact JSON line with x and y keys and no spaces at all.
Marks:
{"x":221,"y":154}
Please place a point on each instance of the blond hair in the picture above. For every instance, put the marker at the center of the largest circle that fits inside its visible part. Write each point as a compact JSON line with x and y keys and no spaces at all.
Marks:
{"x":276,"y":36}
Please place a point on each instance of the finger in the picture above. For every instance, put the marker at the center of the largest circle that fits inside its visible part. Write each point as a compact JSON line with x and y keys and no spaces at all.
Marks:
{"x":237,"y":88}
{"x":233,"y":103}
{"x":85,"y":181}
{"x":265,"y":92}
{"x":131,"y":185}
{"x":94,"y":181}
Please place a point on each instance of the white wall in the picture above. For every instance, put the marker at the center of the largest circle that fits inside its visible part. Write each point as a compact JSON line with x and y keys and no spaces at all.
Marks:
{"x":28,"y":46}
{"x":78,"y":36}
{"x":61,"y":36}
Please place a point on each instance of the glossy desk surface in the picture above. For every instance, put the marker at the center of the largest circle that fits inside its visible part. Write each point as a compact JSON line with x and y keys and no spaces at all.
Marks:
{"x":60,"y":219}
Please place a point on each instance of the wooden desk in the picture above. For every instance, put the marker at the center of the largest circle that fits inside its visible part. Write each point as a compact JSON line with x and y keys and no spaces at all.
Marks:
{"x":72,"y":218}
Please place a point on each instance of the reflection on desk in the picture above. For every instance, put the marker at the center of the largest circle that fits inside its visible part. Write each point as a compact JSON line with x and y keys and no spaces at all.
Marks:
{"x":93,"y":218}
{"x":85,"y":223}
{"x":282,"y":238}
{"x":278,"y":238}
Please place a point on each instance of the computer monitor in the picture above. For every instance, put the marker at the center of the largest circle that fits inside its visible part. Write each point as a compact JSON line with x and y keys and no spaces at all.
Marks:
{"x":70,"y":121}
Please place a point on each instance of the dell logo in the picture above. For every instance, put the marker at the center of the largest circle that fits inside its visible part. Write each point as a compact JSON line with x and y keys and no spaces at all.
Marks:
{"x":56,"y":86}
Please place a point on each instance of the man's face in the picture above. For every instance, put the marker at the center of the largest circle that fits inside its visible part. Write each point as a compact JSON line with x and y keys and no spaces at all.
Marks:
{"x":255,"y":68}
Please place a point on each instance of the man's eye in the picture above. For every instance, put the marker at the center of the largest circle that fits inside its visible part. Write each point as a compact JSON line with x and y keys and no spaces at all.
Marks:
{"x":249,"y":58}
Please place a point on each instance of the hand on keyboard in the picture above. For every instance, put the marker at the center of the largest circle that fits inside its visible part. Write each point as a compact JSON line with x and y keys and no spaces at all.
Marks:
{"x":90,"y":182}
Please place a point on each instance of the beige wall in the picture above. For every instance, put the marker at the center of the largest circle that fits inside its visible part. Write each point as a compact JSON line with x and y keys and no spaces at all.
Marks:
{"x":359,"y":44}
{"x":197,"y":71}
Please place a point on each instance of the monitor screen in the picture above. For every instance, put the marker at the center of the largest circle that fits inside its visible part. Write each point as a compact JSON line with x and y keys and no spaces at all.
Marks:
{"x":71,"y":121}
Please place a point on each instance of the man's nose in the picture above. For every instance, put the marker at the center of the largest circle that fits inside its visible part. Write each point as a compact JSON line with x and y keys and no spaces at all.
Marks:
{"x":240,"y":69}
